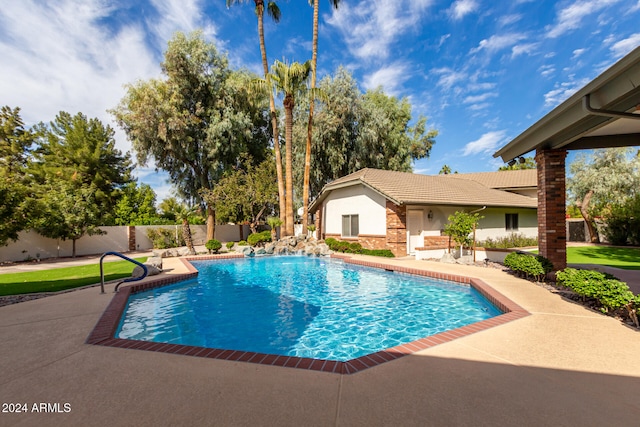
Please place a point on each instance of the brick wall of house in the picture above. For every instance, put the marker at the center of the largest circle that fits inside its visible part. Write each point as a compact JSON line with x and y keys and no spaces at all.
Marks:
{"x":552,"y":237}
{"x":397,"y":229}
{"x":371,"y":241}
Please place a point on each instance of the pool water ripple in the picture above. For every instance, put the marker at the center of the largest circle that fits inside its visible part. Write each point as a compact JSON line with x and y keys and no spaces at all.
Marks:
{"x":300,"y":306}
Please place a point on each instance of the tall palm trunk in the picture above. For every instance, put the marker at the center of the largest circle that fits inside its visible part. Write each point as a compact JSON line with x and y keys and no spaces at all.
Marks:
{"x":289,"y":104}
{"x":211,"y":222}
{"x":186,"y":235}
{"x":272,"y":109}
{"x":307,"y":155}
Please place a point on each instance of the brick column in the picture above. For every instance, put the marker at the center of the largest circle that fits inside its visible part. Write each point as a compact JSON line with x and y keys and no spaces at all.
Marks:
{"x":131,"y":233}
{"x":397,"y":229}
{"x":552,"y":235}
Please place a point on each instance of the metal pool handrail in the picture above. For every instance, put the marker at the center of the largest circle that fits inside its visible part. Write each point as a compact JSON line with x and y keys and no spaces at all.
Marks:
{"x":130,"y":279}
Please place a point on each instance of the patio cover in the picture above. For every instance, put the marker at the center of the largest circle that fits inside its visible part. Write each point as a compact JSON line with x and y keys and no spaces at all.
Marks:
{"x":605,"y":113}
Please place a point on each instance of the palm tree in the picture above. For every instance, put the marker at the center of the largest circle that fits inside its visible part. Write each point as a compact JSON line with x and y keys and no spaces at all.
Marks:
{"x":274,"y":12}
{"x":181,"y":212}
{"x":291,"y":81}
{"x":314,"y":66}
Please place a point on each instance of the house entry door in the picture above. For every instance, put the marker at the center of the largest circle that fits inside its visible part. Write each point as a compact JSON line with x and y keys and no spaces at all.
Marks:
{"x":415,"y":225}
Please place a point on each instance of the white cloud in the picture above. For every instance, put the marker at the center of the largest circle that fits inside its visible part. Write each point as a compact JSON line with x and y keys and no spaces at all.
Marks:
{"x":461,"y":8}
{"x":498,"y":42}
{"x":487,"y":143}
{"x":524,"y":49}
{"x":448,"y":77}
{"x":390,"y":78}
{"x":474,"y":99}
{"x":622,"y":47}
{"x":509,"y":19}
{"x":570,"y":18}
{"x":370,"y":28}
{"x":562,"y":92}
{"x":63,"y":56}
{"x":547,"y":70}
{"x":577,"y":53}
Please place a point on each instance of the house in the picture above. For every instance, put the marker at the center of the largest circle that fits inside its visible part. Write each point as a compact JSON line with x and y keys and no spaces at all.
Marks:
{"x":402,"y":211}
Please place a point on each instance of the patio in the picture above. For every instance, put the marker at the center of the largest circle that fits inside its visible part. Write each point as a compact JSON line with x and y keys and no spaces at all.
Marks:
{"x":562,"y":365}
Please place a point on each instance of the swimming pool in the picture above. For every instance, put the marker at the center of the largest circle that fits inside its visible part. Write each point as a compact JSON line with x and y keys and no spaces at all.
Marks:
{"x":300,"y":307}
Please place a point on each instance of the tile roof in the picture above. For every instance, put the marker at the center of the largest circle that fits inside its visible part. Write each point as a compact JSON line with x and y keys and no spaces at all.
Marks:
{"x":524,"y":178}
{"x":409,"y":188}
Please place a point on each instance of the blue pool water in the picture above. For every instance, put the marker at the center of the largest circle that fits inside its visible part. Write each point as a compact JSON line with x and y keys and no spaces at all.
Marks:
{"x":300,"y":306}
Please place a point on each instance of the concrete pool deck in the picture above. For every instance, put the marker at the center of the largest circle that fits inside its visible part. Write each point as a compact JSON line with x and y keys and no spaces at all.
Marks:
{"x":562,"y":365}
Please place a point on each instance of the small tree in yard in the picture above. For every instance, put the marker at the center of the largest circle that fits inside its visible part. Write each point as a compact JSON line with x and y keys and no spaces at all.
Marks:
{"x":460,"y":227}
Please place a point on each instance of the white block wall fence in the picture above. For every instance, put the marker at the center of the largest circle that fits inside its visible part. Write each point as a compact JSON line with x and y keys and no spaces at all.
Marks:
{"x":31,"y":245}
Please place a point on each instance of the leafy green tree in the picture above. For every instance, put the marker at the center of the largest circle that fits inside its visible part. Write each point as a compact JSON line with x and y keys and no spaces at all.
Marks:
{"x":445,"y":170}
{"x":274,"y":12}
{"x":460,"y":227}
{"x":600,"y":179}
{"x":197,"y":120}
{"x":314,"y":66}
{"x":246,"y":194}
{"x":352,"y":131}
{"x":15,"y":145}
{"x":137,"y":206}
{"x":522,"y":163}
{"x":82,"y":153}
{"x":71,"y":211}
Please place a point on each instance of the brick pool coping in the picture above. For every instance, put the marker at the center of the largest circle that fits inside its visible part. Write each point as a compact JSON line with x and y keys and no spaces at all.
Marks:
{"x":104,"y":331}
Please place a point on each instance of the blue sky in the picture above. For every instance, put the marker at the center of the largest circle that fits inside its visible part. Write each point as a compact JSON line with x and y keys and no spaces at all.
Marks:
{"x":481,"y":71}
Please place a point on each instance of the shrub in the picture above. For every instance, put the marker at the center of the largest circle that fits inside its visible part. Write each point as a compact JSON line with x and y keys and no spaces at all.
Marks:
{"x":243,"y":243}
{"x":514,"y":240}
{"x":164,"y":238}
{"x":258,"y":239}
{"x":607,"y":290}
{"x":528,"y":265}
{"x":331,"y":242}
{"x":213,"y":246}
{"x":378,"y":252}
{"x":230,"y":245}
{"x":356,"y":248}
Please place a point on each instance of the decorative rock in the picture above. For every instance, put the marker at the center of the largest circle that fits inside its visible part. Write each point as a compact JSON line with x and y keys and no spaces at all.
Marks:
{"x":248,"y":251}
{"x":155,"y":261}
{"x":151,"y":271}
{"x":269,"y":248}
{"x":260,"y":251}
{"x":185,"y":252}
{"x":448,"y":259}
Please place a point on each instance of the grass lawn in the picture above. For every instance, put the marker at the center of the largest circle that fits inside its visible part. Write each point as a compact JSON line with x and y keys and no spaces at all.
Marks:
{"x":58,"y":279}
{"x":625,"y":258}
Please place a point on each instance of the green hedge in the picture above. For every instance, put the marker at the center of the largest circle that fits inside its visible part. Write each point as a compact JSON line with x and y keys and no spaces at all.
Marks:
{"x":607,"y":290}
{"x":356,"y":248}
{"x":528,"y":265}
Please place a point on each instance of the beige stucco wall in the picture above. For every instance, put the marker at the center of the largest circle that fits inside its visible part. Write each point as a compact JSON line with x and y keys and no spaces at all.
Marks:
{"x":356,"y":200}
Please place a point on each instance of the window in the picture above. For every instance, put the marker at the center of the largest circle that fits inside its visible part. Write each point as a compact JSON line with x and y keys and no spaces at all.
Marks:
{"x":350,"y":226}
{"x":511,"y":222}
